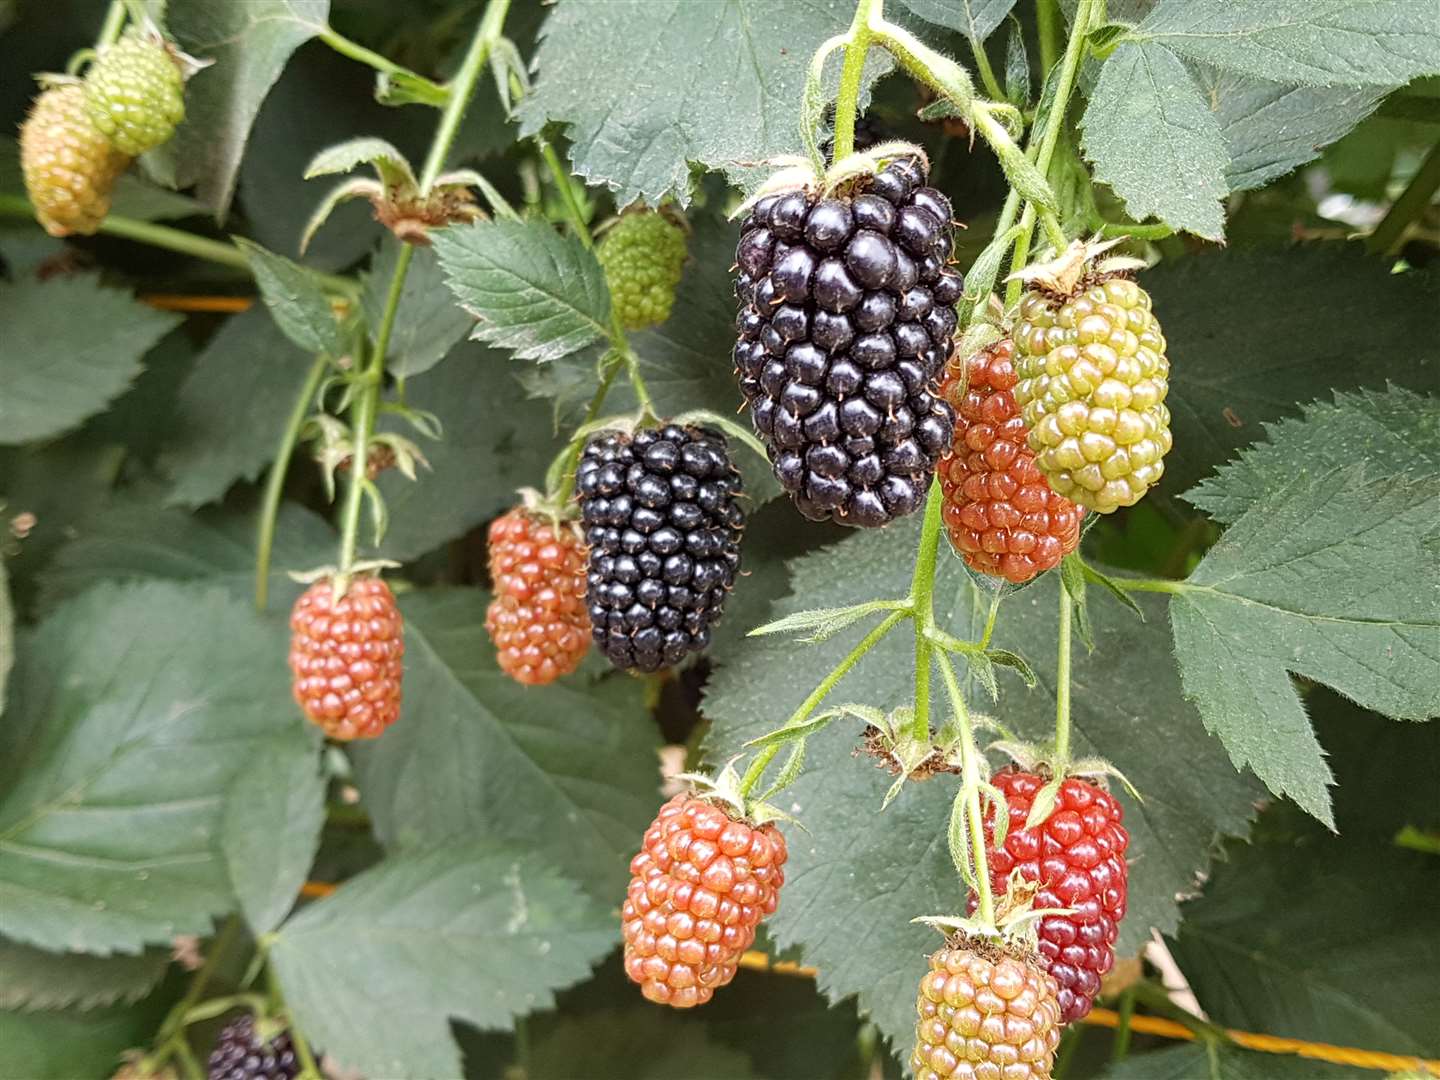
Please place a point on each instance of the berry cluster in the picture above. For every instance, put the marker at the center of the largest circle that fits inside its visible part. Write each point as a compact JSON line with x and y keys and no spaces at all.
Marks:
{"x":1093,"y":378}
{"x":346,"y":657}
{"x":699,"y":886}
{"x":1077,"y":857}
{"x":663,"y":521}
{"x":984,"y":1013}
{"x":240,"y":1055}
{"x":643,"y":256}
{"x":1001,"y":515}
{"x":847,"y":312}
{"x":135,"y":93}
{"x":69,"y":166}
{"x":537,"y":619}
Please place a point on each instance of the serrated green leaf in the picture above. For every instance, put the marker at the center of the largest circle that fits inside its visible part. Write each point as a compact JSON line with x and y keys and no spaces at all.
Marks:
{"x":67,"y":1043}
{"x":296,"y":300}
{"x":71,"y":346}
{"x":639,"y":136}
{"x":474,"y":931}
{"x":1203,"y":1060}
{"x":537,"y":293}
{"x":134,"y":538}
{"x":1394,"y":433}
{"x":1328,"y":579}
{"x":1018,"y":85}
{"x":1127,"y":706}
{"x":389,"y":162}
{"x":1307,"y":320}
{"x":232,"y":407}
{"x":271,"y":827}
{"x":976,"y":19}
{"x":115,"y":758}
{"x":1271,"y":128}
{"x":1151,"y":138}
{"x":428,"y":323}
{"x":825,"y":622}
{"x":1307,"y":42}
{"x":494,"y":441}
{"x":32,"y":978}
{"x":250,"y":44}
{"x":476,"y":754}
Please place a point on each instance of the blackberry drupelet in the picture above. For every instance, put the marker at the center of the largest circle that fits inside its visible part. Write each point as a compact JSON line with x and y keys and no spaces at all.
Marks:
{"x":663,"y":522}
{"x":239,"y":1055}
{"x":846,"y":319}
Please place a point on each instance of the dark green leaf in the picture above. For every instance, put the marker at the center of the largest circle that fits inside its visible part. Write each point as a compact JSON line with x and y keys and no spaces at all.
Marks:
{"x":1305,"y":320}
{"x":855,"y":862}
{"x":473,"y":930}
{"x":1223,"y":1061}
{"x":606,"y":1042}
{"x":296,"y":300}
{"x":32,"y":978}
{"x":1309,"y":42}
{"x":1394,"y":433}
{"x":637,"y":134}
{"x":474,"y":753}
{"x":7,"y":632}
{"x":537,"y":293}
{"x":232,"y":408}
{"x":58,"y":371}
{"x":428,"y":323}
{"x":271,"y":828}
{"x":68,"y":1043}
{"x":250,"y":44}
{"x":1153,"y":140}
{"x":976,"y":19}
{"x":115,"y":758}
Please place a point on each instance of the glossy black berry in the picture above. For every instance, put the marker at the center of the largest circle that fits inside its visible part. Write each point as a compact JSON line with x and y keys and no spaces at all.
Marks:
{"x":240,"y":1055}
{"x":663,"y":523}
{"x":847,"y":315}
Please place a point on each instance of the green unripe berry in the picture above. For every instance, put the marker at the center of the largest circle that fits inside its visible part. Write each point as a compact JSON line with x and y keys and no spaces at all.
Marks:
{"x":643,"y":256}
{"x":135,"y":93}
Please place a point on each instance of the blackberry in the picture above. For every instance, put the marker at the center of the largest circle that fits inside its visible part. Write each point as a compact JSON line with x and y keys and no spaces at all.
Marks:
{"x":847,"y":310}
{"x":240,"y":1055}
{"x":663,"y":522}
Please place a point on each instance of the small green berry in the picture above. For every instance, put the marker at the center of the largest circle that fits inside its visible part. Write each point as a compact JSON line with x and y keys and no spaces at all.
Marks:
{"x":643,"y":255}
{"x":135,"y":93}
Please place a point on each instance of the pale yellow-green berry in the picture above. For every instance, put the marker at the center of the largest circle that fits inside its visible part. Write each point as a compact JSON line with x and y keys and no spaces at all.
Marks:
{"x":135,"y":93}
{"x":69,"y":167}
{"x":643,"y":256}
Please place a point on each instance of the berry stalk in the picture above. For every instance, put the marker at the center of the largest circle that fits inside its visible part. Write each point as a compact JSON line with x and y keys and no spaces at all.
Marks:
{"x":922,"y":594}
{"x":970,"y":792}
{"x":275,"y":481}
{"x":114,"y":23}
{"x":847,"y":103}
{"x":1062,"y":679}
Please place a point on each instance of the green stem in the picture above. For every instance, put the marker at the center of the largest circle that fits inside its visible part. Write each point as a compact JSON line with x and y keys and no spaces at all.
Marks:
{"x":275,"y":481}
{"x":114,"y":23}
{"x":177,"y":240}
{"x":1112,"y":229}
{"x":987,"y":73}
{"x":990,"y":620}
{"x":1047,"y":23}
{"x":922,"y":595}
{"x":355,"y":51}
{"x":1390,"y":233}
{"x":800,"y":715}
{"x":847,"y":103}
{"x":189,"y":1064}
{"x":308,"y":1069}
{"x":573,"y":212}
{"x":1062,"y":680}
{"x":462,"y":89}
{"x":173,"y":1028}
{"x":577,"y":445}
{"x":970,"y":779}
{"x":1121,"y":1046}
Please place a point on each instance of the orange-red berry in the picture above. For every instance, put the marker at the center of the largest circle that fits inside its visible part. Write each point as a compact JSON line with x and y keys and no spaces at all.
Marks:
{"x":538,"y":619}
{"x":346,"y":656}
{"x":699,"y":886}
{"x":985,"y":1015}
{"x":999,"y":511}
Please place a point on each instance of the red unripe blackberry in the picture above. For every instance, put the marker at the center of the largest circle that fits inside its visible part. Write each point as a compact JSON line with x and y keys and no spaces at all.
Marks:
{"x":346,"y":657}
{"x":985,"y":1015}
{"x":699,"y":886}
{"x":663,"y":522}
{"x":847,"y":309}
{"x":537,"y":619}
{"x":1077,"y":856}
{"x":1000,"y":513}
{"x":240,"y":1055}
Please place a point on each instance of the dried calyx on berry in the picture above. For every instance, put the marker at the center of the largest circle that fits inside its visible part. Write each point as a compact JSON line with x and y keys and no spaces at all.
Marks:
{"x":537,"y":618}
{"x":709,"y":869}
{"x":662,"y":517}
{"x":1000,"y":513}
{"x":1092,"y":378}
{"x":846,"y":317}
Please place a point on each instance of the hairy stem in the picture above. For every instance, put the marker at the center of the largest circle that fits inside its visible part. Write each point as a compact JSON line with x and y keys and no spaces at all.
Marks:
{"x":573,"y":213}
{"x":275,"y":481}
{"x":847,"y":102}
{"x":922,"y":596}
{"x":970,"y":779}
{"x":114,"y":23}
{"x":811,"y":703}
{"x":987,"y":73}
{"x":435,"y":93}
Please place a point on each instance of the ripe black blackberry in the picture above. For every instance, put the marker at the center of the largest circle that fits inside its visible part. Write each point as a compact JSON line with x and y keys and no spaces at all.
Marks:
{"x":663,"y":522}
{"x":847,"y":311}
{"x":240,"y":1055}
